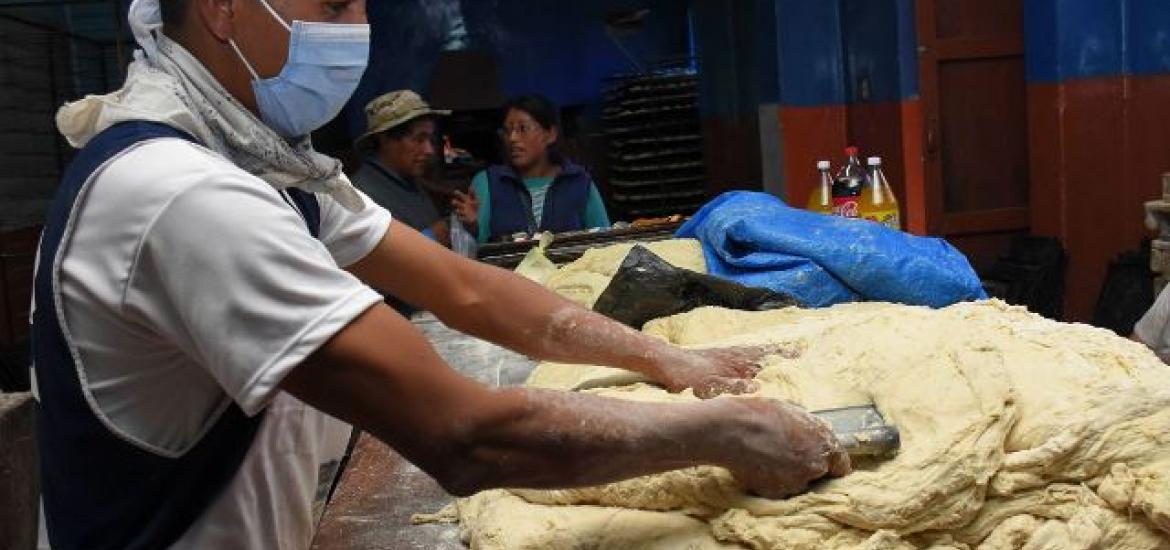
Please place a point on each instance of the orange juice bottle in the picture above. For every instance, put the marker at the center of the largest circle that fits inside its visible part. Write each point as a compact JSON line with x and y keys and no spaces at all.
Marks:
{"x":878,"y":203}
{"x":820,"y":200}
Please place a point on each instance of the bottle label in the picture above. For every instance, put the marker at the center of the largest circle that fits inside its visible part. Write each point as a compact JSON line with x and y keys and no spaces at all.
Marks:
{"x":847,"y":207}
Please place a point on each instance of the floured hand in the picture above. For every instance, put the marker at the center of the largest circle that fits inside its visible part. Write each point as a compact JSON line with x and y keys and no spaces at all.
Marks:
{"x":781,"y":448}
{"x":713,"y":372}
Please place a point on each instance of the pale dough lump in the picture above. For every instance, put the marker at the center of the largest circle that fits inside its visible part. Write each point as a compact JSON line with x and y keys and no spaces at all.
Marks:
{"x":1018,"y":432}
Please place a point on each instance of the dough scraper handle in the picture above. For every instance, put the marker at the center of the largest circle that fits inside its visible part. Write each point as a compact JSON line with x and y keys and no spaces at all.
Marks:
{"x":862,"y":431}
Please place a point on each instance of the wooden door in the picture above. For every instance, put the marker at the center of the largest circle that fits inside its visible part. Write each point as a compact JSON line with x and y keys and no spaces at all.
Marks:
{"x":971,"y":64}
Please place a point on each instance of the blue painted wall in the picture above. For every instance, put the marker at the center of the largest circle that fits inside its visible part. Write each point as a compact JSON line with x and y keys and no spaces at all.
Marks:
{"x":752,"y":52}
{"x":556,"y":48}
{"x":879,"y":49}
{"x":1147,"y":37}
{"x":830,"y":52}
{"x":812,"y":71}
{"x":1072,"y":39}
{"x":767,"y":45}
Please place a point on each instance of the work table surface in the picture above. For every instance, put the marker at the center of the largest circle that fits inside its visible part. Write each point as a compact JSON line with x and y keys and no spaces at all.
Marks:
{"x":372,"y":505}
{"x":379,"y":490}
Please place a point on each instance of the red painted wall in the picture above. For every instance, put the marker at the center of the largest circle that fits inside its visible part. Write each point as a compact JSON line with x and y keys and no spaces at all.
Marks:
{"x":810,"y":134}
{"x":731,"y":152}
{"x":1098,"y":149}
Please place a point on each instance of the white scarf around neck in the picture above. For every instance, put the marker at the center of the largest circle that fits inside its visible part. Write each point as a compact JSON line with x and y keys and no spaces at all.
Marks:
{"x":168,"y":85}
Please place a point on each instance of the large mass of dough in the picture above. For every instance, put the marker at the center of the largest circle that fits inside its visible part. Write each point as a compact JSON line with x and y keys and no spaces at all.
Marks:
{"x":1017,"y":432}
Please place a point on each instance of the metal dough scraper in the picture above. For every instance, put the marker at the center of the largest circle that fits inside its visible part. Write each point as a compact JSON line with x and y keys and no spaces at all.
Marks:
{"x":862,"y":431}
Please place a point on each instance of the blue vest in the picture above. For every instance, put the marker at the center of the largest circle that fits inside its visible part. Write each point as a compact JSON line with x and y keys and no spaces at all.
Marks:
{"x":101,"y":492}
{"x":564,"y":205}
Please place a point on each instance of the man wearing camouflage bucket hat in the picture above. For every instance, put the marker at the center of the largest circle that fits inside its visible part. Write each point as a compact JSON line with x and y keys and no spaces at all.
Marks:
{"x":400,"y":145}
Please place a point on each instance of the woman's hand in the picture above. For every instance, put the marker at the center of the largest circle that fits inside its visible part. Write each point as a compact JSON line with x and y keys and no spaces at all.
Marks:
{"x":466,"y":206}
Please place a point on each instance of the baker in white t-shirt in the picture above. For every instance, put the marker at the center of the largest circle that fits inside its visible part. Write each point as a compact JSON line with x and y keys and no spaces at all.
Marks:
{"x":206,"y":333}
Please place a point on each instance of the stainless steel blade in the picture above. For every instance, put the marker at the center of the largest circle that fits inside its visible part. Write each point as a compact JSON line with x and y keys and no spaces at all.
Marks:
{"x":862,"y":431}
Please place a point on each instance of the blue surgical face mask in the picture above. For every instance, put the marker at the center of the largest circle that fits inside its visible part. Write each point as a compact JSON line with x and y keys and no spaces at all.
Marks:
{"x":325,"y":63}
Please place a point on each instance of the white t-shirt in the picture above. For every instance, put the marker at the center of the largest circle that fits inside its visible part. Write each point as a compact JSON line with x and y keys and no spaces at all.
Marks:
{"x":1154,"y":327}
{"x":188,"y":284}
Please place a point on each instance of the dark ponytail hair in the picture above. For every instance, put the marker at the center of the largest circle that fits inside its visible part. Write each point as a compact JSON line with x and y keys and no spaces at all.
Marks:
{"x":540,"y":108}
{"x":544,"y":112}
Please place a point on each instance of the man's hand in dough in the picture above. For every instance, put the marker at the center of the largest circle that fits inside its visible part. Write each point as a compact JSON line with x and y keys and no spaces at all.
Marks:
{"x":713,"y":372}
{"x":782,"y":448}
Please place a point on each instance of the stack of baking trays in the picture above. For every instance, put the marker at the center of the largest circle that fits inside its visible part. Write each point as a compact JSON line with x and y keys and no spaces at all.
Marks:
{"x":655,"y":144}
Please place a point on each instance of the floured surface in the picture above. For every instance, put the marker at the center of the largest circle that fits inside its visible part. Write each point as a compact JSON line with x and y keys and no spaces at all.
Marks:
{"x":1018,"y":432}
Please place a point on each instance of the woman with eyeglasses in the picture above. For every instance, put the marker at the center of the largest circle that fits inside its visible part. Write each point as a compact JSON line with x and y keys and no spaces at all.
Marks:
{"x":538,"y":189}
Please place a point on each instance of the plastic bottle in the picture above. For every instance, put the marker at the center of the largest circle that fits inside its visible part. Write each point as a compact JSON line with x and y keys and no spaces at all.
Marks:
{"x":820,"y":200}
{"x":878,"y":201}
{"x":462,"y":241}
{"x":848,"y":186}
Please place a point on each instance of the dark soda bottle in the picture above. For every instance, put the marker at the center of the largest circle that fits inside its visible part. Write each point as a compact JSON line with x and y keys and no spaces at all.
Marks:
{"x":848,"y":186}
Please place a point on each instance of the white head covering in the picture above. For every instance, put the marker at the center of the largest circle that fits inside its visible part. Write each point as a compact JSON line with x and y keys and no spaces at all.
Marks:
{"x":170,"y":86}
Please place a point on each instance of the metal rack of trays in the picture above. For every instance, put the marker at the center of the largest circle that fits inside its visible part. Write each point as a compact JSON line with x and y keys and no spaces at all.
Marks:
{"x":655,"y":143}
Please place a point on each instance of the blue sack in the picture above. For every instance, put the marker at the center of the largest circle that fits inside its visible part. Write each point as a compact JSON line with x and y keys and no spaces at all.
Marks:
{"x":757,"y":240}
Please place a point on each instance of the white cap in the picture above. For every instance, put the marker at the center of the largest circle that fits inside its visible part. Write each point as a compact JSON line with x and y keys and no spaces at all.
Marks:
{"x":874,"y":161}
{"x":823,"y":165}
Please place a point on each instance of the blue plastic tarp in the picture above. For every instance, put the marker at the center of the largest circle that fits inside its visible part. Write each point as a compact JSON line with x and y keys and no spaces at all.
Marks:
{"x":757,"y":240}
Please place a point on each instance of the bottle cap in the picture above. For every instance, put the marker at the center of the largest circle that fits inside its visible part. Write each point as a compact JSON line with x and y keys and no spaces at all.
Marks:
{"x":823,"y":165}
{"x":851,"y":151}
{"x":874,"y":161}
